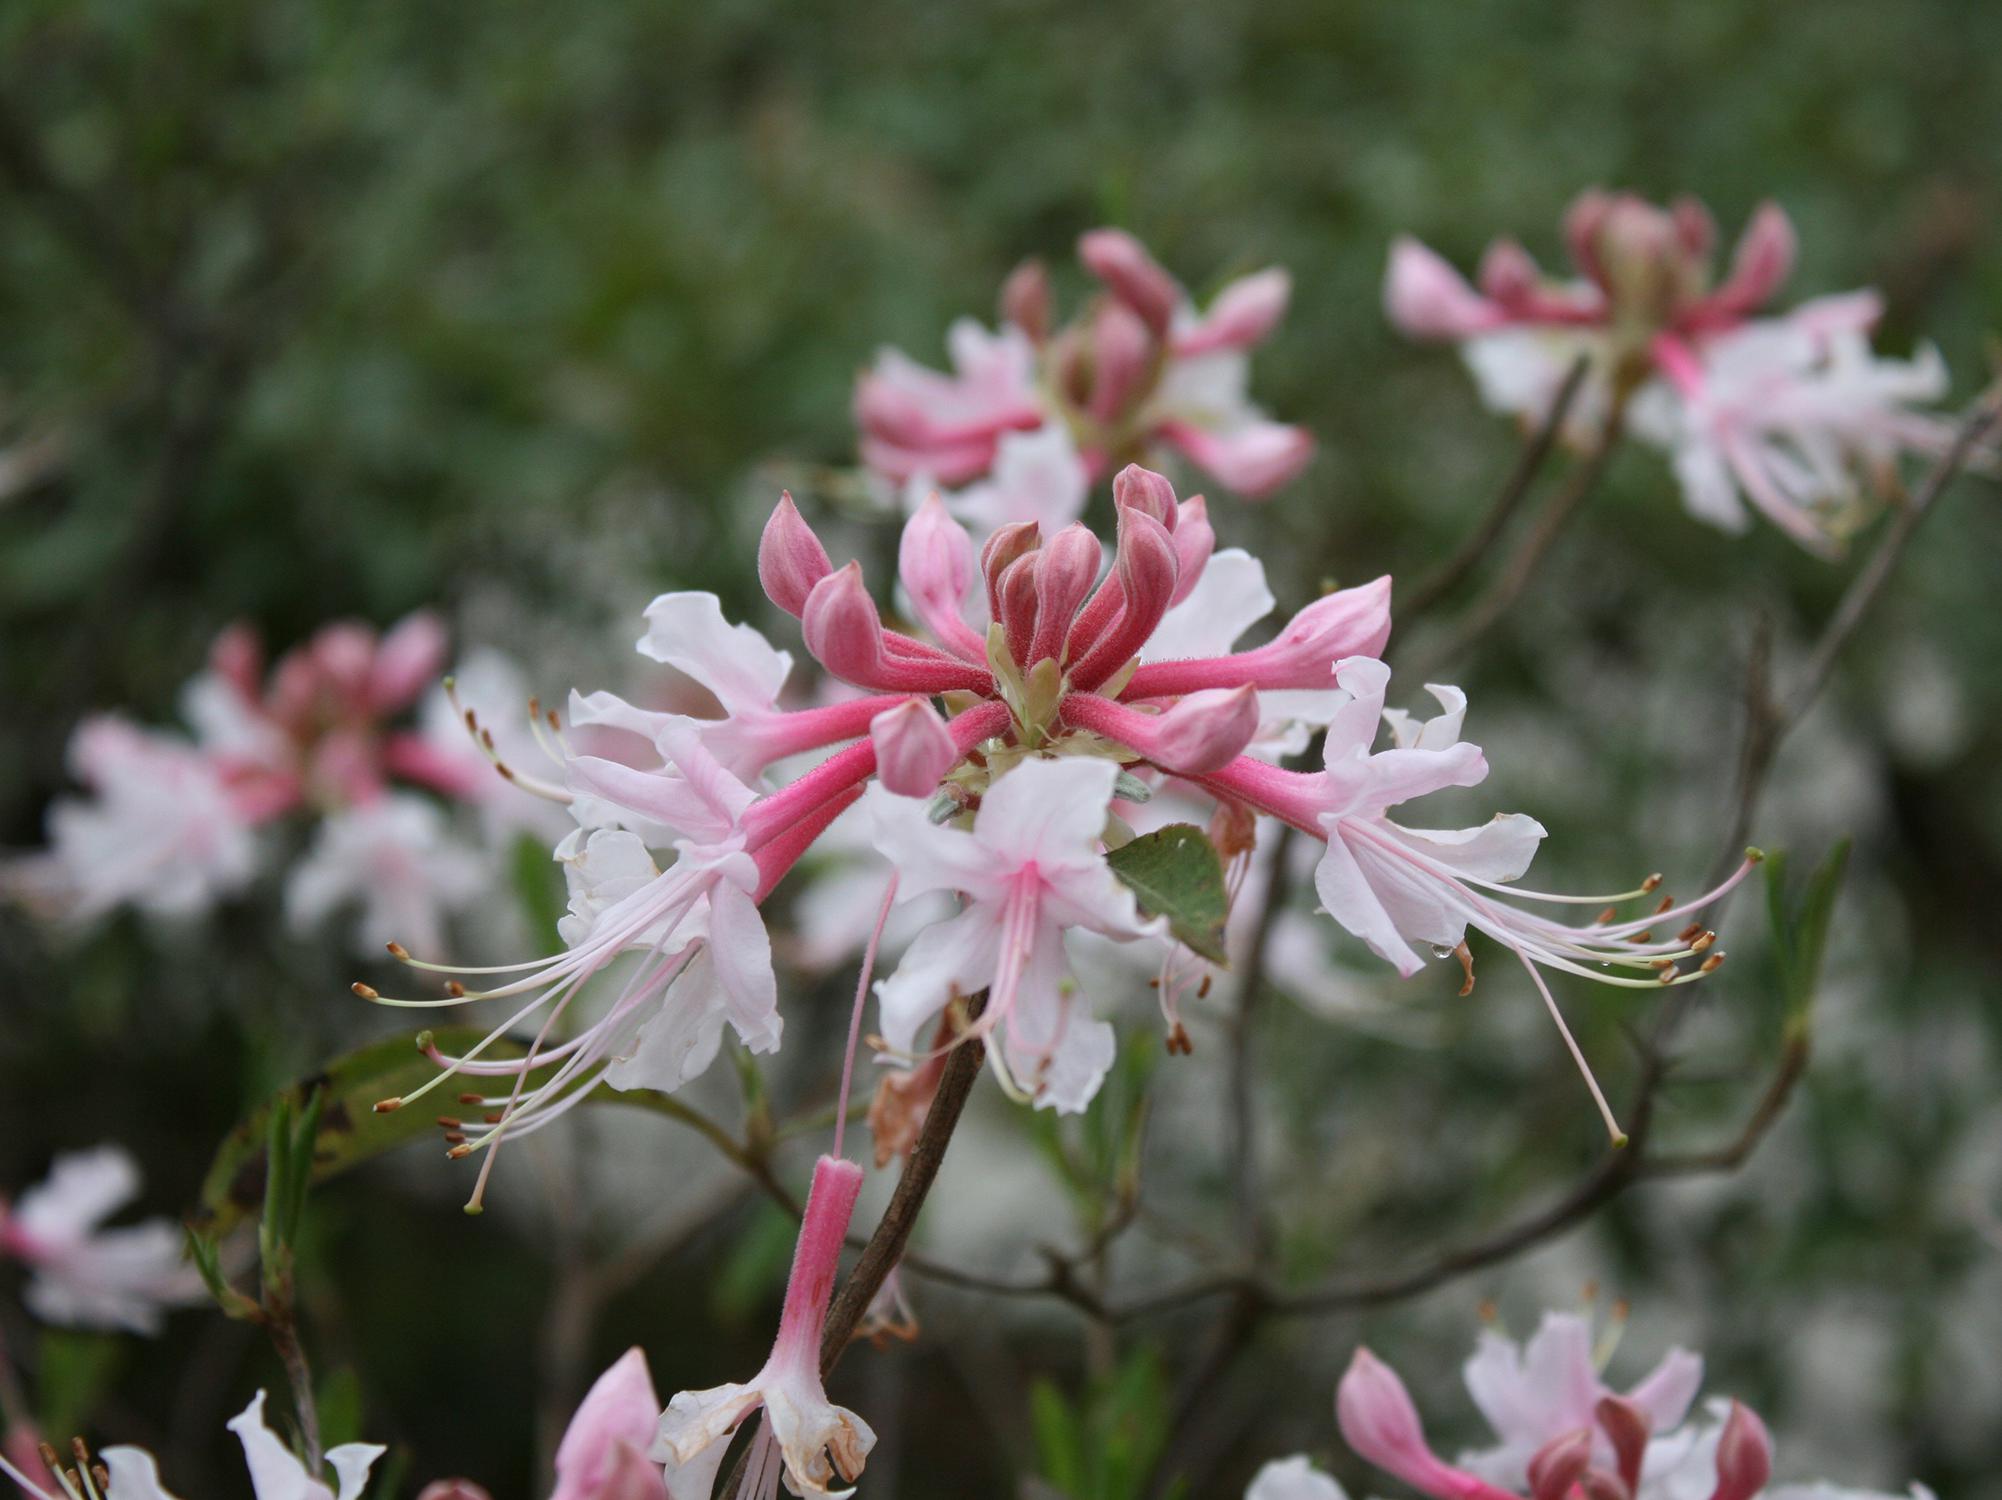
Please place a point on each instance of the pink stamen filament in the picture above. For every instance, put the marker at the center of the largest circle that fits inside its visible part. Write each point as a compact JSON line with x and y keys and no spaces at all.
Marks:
{"x":855,"y":1015}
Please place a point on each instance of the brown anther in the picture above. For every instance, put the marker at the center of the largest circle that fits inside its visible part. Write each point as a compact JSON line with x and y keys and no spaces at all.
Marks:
{"x":1488,"y":1312}
{"x":555,"y":723}
{"x":1590,"y":1290}
{"x":502,"y":767}
{"x":494,"y":1116}
{"x":1666,"y":903}
{"x":455,"y":1137}
{"x":1622,"y":1309}
{"x":487,"y":739}
{"x":1466,"y":957}
{"x":1179,"y":1044}
{"x":1702,"y":941}
{"x":1645,"y":935}
{"x":1154,"y":983}
{"x":1663,"y":963}
{"x":388,"y":1106}
{"x":472,"y":722}
{"x":458,"y":1151}
{"x":470,"y":1098}
{"x":1711,"y":964}
{"x":1651,"y":882}
{"x":1605,"y":916}
{"x":1668,"y":975}
{"x":449,"y":1122}
{"x":50,"y":1457}
{"x":1689,"y":932}
{"x":366,"y":991}
{"x":103,"y":1477}
{"x":534,"y":706}
{"x":1203,"y":989}
{"x":82,"y":1454}
{"x":455,"y":989}
{"x":398,"y":952}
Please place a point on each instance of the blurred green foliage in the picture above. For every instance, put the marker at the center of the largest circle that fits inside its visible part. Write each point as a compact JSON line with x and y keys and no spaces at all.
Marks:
{"x":314,"y":310}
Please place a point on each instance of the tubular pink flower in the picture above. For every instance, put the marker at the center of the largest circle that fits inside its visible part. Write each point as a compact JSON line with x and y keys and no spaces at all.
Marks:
{"x":1145,"y":569}
{"x":1348,"y":622}
{"x":1121,"y":349}
{"x":1132,"y":275}
{"x":914,"y":748}
{"x":790,"y":558}
{"x":1427,"y":299}
{"x":846,"y":636}
{"x":1378,"y":1420}
{"x":1026,"y":300}
{"x":1064,"y":581}
{"x":1254,"y":457}
{"x":1744,"y":1456}
{"x":821,"y":1442}
{"x":603,"y":1452}
{"x":1241,"y":315}
{"x":1200,"y":733}
{"x":935,"y":564}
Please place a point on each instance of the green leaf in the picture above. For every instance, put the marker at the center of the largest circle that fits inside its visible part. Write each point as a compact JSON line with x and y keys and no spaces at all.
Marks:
{"x":1800,"y":921}
{"x":347,"y":1130}
{"x":1175,"y":873}
{"x":340,"y":1408}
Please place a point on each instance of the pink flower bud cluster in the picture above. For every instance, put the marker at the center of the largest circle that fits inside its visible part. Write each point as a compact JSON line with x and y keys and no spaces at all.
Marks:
{"x":1033,"y":414}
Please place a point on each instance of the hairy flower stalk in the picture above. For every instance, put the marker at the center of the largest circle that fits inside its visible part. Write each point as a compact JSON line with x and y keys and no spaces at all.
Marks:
{"x":1791,"y":414}
{"x":987,"y":758}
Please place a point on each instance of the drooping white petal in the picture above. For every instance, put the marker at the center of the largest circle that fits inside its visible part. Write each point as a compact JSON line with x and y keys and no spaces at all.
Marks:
{"x":1229,"y":598}
{"x":1347,"y":895}
{"x":134,"y":1475}
{"x":687,"y":631}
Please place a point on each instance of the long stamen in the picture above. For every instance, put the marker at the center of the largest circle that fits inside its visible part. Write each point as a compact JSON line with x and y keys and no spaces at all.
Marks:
{"x":483,"y":740}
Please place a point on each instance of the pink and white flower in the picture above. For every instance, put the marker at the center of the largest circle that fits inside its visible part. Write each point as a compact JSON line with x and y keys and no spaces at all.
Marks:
{"x":818,"y":1442}
{"x":395,"y":859}
{"x":1565,"y":1433}
{"x":1791,"y":412}
{"x":1031,"y":417}
{"x":83,"y":1273}
{"x":603,"y":1454}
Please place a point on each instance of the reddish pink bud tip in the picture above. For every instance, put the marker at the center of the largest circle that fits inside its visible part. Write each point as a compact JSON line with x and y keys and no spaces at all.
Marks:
{"x":1132,"y":275}
{"x":791,"y":560}
{"x":914,"y":749}
{"x":1744,"y":1455}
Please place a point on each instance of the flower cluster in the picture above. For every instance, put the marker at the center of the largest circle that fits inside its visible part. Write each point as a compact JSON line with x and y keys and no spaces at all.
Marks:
{"x":175,"y":822}
{"x":1032,"y":414}
{"x":992,"y":762}
{"x":1791,"y":412}
{"x":1561,"y":1432}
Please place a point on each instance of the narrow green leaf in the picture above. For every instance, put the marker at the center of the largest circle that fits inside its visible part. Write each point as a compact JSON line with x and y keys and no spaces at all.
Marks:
{"x":1175,"y":873}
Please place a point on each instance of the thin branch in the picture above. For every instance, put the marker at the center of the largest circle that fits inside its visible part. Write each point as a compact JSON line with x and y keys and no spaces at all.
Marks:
{"x":1529,"y":463}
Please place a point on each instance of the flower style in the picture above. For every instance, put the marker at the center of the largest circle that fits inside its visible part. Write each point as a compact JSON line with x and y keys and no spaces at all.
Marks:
{"x":275,"y":1472}
{"x":819,"y":1441}
{"x":1030,"y":417}
{"x":1564,"y":1432}
{"x":87,"y":1275}
{"x":1029,"y":869}
{"x":1791,"y":413}
{"x":175,"y":823}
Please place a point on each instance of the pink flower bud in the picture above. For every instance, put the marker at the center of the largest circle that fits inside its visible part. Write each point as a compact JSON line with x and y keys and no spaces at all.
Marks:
{"x":1145,"y":569}
{"x":238,"y":658}
{"x":1132,"y":275}
{"x":407,"y":661}
{"x":1582,"y":223}
{"x":1628,"y":1428}
{"x":339,"y":659}
{"x":1762,"y":261}
{"x":1241,"y":315}
{"x":1135,"y":488}
{"x":1063,"y":580}
{"x":1026,"y":301}
{"x":1508,"y":274}
{"x":612,"y":1426}
{"x":935,"y":562}
{"x":1557,"y":1465}
{"x":1427,"y":299}
{"x":1002,"y":547}
{"x":452,"y":1489}
{"x":1695,"y":229}
{"x":791,"y":560}
{"x":1120,"y":349}
{"x":1018,"y":595}
{"x":1253,"y":458}
{"x":1205,"y":731}
{"x":845,"y":634}
{"x":1379,"y":1421}
{"x":1744,"y":1455}
{"x":914,"y":749}
{"x":1195,"y":540}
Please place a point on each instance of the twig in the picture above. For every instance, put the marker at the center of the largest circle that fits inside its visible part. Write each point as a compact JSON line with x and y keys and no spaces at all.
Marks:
{"x":1530,"y":552}
{"x":1529,"y":463}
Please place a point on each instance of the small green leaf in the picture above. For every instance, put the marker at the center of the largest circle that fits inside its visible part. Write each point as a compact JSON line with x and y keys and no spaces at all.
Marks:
{"x":340,"y":1407}
{"x":1175,"y":873}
